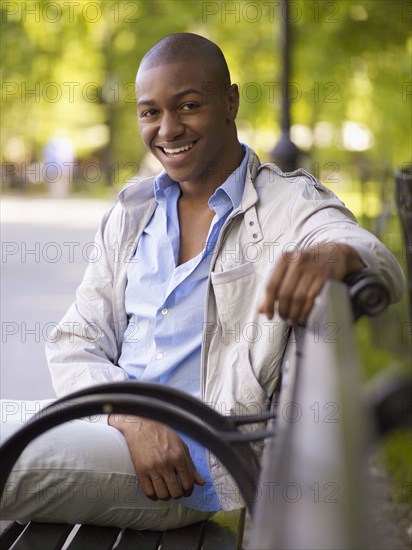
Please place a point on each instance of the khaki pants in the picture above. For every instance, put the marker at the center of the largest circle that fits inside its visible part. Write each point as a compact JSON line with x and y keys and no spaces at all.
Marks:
{"x":80,"y":472}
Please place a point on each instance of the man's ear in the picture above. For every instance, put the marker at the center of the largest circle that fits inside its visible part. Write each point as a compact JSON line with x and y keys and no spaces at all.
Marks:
{"x":232,"y":98}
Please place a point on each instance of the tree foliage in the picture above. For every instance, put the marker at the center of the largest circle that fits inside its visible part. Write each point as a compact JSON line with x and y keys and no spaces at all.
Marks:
{"x":72,"y":65}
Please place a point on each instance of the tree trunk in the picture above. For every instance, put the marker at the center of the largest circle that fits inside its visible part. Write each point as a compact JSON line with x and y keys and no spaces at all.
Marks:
{"x":403,"y":180}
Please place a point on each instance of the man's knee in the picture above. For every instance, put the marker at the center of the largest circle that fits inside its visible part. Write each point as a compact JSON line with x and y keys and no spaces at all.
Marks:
{"x":67,"y":467}
{"x":19,"y":411}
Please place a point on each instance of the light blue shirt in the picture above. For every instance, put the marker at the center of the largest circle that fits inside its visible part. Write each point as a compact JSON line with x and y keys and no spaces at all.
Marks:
{"x":165,"y":306}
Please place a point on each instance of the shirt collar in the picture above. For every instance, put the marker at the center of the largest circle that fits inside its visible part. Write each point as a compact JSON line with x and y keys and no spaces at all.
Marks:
{"x":162,"y":182}
{"x":229,"y":194}
{"x":226,"y":197}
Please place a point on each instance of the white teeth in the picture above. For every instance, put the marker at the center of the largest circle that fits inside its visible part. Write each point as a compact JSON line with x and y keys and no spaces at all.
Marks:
{"x":178,"y":150}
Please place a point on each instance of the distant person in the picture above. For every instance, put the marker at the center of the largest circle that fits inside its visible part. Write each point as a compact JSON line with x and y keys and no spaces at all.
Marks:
{"x":59,"y":156}
{"x":185,"y":261}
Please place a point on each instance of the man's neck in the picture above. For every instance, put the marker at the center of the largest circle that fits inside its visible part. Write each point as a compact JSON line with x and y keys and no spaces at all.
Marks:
{"x":198,"y":193}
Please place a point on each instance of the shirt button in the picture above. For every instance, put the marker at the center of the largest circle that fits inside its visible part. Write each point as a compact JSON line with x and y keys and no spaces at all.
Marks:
{"x":165,"y":311}
{"x":251,"y":223}
{"x":255,"y":235}
{"x":159,"y":355}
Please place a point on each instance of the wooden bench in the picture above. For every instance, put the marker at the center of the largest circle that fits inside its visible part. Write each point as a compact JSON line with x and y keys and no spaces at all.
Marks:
{"x":290,"y":442}
{"x":222,"y":531}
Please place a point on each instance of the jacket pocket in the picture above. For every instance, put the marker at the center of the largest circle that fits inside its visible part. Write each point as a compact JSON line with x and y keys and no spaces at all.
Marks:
{"x":254,"y":397}
{"x":234,"y":290}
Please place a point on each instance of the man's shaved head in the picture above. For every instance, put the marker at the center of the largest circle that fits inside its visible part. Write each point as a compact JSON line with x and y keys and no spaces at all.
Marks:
{"x":187,"y":48}
{"x":186,"y":111}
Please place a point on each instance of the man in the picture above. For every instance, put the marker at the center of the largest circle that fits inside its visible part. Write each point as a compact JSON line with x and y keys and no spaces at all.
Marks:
{"x":186,"y":264}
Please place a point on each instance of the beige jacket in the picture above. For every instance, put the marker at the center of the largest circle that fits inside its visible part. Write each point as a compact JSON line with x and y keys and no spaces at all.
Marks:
{"x":241,"y":350}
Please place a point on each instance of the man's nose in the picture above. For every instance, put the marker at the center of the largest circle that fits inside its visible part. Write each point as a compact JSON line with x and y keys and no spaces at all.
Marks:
{"x":170,"y":126}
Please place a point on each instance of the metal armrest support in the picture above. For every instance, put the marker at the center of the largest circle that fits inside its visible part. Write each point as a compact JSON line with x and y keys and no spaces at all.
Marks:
{"x":368,"y":294}
{"x":389,"y":404}
{"x":221,"y":437}
{"x":388,"y":400}
{"x":174,"y":397}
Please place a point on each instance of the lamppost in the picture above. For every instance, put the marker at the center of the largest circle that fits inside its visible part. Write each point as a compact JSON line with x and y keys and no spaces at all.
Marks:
{"x":285,"y":153}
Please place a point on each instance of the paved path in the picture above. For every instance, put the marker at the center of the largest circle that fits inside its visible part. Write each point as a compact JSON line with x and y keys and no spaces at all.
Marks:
{"x":390,"y":521}
{"x":45,"y":245}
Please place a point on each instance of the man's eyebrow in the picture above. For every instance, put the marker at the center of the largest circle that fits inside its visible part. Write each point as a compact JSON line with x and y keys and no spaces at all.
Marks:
{"x":179,"y":95}
{"x":188,"y":91}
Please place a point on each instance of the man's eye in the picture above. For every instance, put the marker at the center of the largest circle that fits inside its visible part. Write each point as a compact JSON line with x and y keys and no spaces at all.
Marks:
{"x":189,"y":106}
{"x":149,"y":113}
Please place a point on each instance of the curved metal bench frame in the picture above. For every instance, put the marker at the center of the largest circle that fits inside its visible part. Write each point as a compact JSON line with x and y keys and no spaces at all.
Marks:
{"x":178,"y":410}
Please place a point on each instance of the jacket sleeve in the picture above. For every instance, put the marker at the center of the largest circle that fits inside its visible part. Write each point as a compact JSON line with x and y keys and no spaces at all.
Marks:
{"x":318,"y":216}
{"x":83,"y":349}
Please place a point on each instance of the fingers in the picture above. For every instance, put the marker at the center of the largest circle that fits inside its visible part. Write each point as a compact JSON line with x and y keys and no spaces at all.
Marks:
{"x":174,"y":486}
{"x":172,"y":483}
{"x":188,"y":478}
{"x":299,"y":298}
{"x":182,"y":481}
{"x":311,"y":294}
{"x":198,"y":479}
{"x":294,"y":284}
{"x":272,"y":289}
{"x":163,"y":486}
{"x":155,"y":489}
{"x":163,"y":481}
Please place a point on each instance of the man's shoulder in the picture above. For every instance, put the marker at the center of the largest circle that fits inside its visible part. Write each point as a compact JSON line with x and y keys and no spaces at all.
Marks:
{"x":137,"y":191}
{"x":268,"y":172}
{"x":132,"y":203}
{"x":271,"y":173}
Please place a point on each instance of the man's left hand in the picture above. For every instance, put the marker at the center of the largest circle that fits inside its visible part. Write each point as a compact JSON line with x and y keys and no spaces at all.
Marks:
{"x":299,"y":276}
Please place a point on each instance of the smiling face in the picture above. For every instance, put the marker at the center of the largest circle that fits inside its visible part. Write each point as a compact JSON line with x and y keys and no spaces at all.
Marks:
{"x":186,"y":120}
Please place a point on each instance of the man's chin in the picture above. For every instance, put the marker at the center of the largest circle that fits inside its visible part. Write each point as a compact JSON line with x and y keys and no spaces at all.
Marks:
{"x":177,"y":175}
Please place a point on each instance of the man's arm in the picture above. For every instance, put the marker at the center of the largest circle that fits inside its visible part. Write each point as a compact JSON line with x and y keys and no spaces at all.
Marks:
{"x":82,"y":351}
{"x":330,"y":245}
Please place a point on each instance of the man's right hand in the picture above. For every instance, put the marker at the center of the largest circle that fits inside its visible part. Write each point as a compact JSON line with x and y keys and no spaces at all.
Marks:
{"x":161,"y":459}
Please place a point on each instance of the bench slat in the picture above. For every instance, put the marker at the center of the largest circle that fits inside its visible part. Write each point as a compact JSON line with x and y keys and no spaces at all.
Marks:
{"x":185,"y":538}
{"x":134,"y":540}
{"x":94,"y":537}
{"x":10,"y":534}
{"x":223,"y":531}
{"x":39,"y":536}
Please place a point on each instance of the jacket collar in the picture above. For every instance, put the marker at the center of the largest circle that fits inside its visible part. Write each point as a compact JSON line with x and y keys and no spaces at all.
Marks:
{"x":250,"y":195}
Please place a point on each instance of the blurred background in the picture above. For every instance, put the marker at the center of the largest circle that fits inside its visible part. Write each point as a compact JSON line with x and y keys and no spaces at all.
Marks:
{"x":69,"y":141}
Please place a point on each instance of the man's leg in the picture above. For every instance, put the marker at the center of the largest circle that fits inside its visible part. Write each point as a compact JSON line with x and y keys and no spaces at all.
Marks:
{"x":81,"y":472}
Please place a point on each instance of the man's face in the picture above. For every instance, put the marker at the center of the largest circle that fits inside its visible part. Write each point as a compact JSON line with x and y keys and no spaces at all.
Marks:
{"x":186,"y":120}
